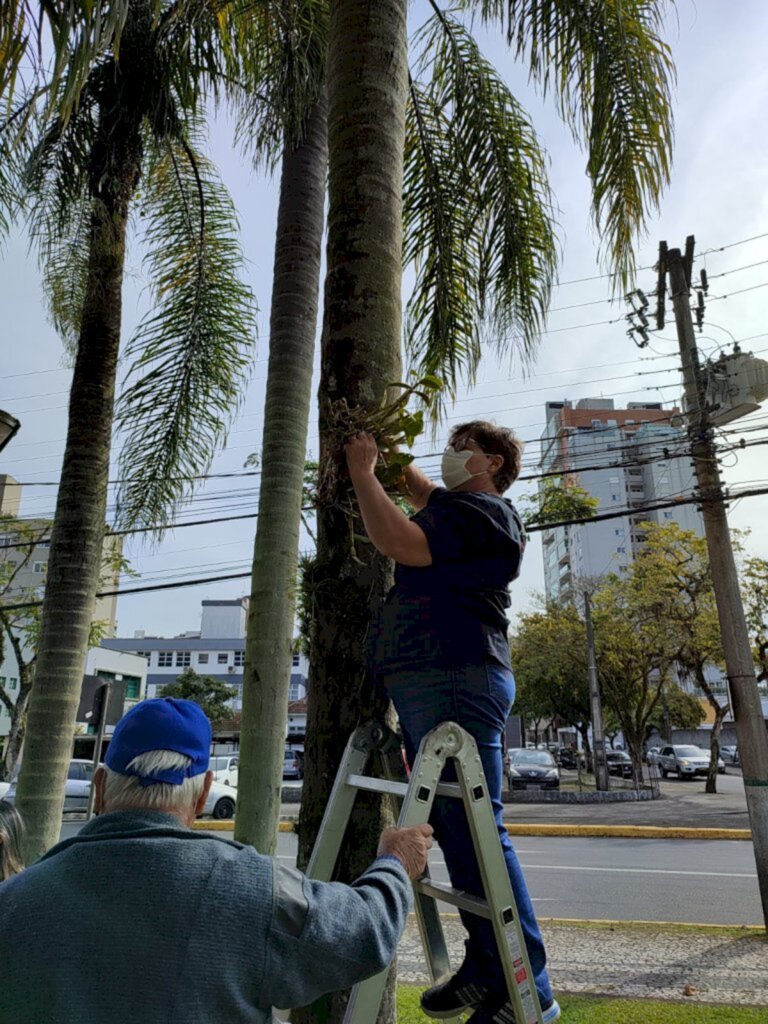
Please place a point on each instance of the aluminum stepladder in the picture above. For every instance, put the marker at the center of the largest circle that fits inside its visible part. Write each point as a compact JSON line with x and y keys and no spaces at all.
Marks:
{"x":413,"y":799}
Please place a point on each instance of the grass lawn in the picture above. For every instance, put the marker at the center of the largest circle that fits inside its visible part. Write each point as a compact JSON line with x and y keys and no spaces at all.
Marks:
{"x":602,"y":1010}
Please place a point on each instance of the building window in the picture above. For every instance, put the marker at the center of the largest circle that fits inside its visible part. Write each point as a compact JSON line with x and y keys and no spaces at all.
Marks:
{"x":667,"y":515}
{"x":239,"y":659}
{"x":614,"y":497}
{"x":618,"y":533}
{"x":165,"y":659}
{"x":222,"y":658}
{"x":2,"y":680}
{"x":144,"y":654}
{"x":183,"y":659}
{"x":295,"y":660}
{"x":132,"y":687}
{"x":39,"y":567}
{"x":621,"y":551}
{"x":13,"y":683}
{"x":202,"y":659}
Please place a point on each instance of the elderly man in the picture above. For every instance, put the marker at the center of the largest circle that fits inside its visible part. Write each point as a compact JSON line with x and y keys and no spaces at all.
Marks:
{"x":139,"y":918}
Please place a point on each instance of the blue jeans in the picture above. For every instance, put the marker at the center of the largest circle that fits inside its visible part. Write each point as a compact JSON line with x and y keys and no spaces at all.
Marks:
{"x":478,"y":698}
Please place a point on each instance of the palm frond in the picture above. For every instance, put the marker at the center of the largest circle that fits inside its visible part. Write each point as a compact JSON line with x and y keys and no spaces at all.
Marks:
{"x":479,"y":219}
{"x":612,"y":75}
{"x":190,"y":356}
{"x":15,"y":29}
{"x":281,"y":51}
{"x":56,"y":195}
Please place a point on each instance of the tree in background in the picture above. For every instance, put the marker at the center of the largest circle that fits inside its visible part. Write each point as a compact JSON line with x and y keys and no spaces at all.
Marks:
{"x":558,"y":500}
{"x":549,"y":657}
{"x":213,"y":695}
{"x":754,"y":580}
{"x":119,"y":105}
{"x":671,"y":578}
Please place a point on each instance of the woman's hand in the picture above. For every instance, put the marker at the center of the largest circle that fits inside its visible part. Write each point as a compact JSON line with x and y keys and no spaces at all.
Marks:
{"x":362,"y":455}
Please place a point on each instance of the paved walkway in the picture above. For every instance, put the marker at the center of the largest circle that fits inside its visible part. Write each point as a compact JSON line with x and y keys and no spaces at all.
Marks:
{"x":632,"y":961}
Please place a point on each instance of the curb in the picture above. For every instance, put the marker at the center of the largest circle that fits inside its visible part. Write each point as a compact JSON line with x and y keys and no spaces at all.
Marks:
{"x":585,"y":831}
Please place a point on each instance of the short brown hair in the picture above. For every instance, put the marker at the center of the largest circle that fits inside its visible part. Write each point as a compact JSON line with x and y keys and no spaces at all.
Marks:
{"x":494,"y":441}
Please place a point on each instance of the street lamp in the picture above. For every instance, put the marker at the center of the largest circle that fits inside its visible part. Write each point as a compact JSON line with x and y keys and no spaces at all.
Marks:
{"x":9,"y":427}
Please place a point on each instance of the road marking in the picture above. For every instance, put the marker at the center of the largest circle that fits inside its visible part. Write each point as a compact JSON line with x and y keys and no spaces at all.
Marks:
{"x":638,"y":871}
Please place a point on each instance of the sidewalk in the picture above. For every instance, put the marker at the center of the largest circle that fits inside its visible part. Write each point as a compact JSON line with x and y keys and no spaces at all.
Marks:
{"x":631,"y":961}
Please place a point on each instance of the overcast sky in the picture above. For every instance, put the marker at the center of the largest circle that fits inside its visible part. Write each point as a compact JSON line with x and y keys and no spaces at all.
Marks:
{"x":719,"y":193}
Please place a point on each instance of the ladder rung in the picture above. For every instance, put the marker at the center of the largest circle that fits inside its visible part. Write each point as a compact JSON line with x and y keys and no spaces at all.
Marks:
{"x":456,"y":897}
{"x":373,"y":785}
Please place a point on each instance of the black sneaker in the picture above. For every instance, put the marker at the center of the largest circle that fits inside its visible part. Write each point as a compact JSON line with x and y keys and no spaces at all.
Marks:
{"x":451,"y":998}
{"x":497,"y":1009}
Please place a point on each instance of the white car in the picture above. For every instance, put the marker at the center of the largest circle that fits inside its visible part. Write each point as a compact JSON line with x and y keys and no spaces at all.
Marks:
{"x":225,"y":768}
{"x":220,"y":803}
{"x":4,"y":789}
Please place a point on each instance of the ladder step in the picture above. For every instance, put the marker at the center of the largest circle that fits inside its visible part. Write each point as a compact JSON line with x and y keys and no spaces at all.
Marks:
{"x":456,"y":897}
{"x":397,"y":788}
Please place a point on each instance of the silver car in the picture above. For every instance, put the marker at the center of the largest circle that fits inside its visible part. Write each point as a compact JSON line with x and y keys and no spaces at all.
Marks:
{"x":76,"y":791}
{"x":686,"y":761}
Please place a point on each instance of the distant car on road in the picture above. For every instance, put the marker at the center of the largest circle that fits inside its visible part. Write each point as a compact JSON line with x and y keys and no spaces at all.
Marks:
{"x":224,"y":768}
{"x":652,"y":755}
{"x":687,"y":761}
{"x":76,"y":790}
{"x":568,"y":758}
{"x":220,"y":803}
{"x":532,"y":769}
{"x":730,"y":754}
{"x":619,"y":763}
{"x":292,"y":766}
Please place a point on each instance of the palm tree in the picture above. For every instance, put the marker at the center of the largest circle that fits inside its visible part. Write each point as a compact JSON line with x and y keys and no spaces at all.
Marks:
{"x":108,"y":118}
{"x":480,"y":233}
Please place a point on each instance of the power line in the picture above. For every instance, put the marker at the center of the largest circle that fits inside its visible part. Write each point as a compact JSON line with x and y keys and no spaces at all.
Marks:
{"x":600,"y":517}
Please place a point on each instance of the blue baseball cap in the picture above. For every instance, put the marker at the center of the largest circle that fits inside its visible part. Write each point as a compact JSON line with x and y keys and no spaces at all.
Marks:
{"x":164,"y":723}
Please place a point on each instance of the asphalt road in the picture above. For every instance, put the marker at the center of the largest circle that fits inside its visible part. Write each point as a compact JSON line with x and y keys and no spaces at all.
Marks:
{"x":700,"y":882}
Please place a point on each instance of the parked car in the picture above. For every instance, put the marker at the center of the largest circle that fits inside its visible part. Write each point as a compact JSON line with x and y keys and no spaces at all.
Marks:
{"x":619,"y":763}
{"x":687,"y":761}
{"x":224,"y":768}
{"x":568,"y":758}
{"x":652,"y":755}
{"x":220,"y":803}
{"x":76,"y":791}
{"x":532,"y":769}
{"x":292,"y":766}
{"x":4,"y":787}
{"x":730,"y":754}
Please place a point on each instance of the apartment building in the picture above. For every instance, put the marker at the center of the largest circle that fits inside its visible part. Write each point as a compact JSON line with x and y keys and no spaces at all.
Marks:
{"x":626,"y":458}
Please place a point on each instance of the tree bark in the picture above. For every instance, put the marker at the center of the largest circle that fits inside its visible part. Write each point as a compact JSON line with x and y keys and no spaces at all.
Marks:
{"x":720,"y":710}
{"x":367,"y":87}
{"x":77,"y":537}
{"x":293,"y":326}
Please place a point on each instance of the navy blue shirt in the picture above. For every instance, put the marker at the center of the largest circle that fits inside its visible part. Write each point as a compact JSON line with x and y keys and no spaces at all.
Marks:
{"x":453,"y":612}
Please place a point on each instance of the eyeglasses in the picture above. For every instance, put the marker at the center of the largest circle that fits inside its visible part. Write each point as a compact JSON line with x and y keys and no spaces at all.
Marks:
{"x":461,"y":446}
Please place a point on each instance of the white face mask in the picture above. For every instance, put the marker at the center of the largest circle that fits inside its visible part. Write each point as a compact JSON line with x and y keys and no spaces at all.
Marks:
{"x":454,"y":467}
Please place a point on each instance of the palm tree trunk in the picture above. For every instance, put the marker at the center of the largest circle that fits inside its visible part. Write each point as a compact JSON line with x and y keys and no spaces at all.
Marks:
{"x":77,"y":537}
{"x":293,"y":325}
{"x":367,"y":84}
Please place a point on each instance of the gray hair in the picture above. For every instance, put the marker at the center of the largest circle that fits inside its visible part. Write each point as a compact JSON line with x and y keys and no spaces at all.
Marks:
{"x":11,"y":839}
{"x":125,"y":792}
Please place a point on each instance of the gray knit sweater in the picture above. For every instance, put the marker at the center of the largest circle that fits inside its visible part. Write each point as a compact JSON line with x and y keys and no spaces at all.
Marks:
{"x":137,"y":920}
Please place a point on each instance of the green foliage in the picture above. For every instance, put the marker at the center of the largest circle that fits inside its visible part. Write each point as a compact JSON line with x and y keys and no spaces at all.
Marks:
{"x":478,"y":212}
{"x":604,"y":1010}
{"x":754,"y":583}
{"x":557,"y":501}
{"x":549,"y":657}
{"x":211,"y":694}
{"x":612,"y":77}
{"x":682,"y":710}
{"x":190,"y":357}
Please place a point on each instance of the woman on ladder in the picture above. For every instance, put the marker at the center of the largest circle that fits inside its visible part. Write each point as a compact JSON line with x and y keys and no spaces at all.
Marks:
{"x":441,"y":651}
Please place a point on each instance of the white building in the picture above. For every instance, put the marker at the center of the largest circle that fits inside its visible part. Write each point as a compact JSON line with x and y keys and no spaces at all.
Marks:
{"x":625,"y":458}
{"x":217,"y":650}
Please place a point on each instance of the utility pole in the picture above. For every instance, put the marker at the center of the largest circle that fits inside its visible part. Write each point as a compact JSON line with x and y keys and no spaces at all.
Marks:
{"x":595,"y":704}
{"x":745,"y":696}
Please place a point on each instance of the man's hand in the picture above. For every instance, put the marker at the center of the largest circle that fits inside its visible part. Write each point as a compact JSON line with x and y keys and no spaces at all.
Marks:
{"x":409,"y":845}
{"x":362,"y":455}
